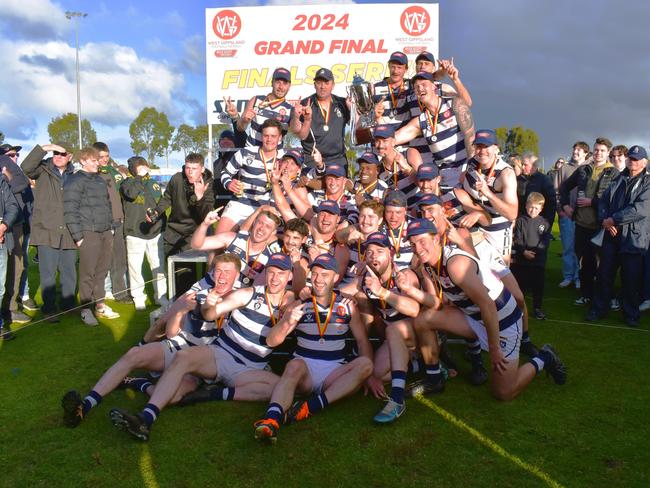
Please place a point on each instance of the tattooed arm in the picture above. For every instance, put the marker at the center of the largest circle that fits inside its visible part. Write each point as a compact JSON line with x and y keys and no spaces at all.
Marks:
{"x":465,"y":123}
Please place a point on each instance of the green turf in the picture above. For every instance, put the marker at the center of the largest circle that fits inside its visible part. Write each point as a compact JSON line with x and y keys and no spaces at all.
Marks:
{"x":590,"y":432}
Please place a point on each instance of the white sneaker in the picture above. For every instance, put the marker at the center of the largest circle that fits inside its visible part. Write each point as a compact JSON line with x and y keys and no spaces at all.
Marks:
{"x":107,"y":313}
{"x":140,"y":304}
{"x":108,"y":296}
{"x":564,"y":283}
{"x":645,"y":305}
{"x":615,"y":304}
{"x":88,"y":318}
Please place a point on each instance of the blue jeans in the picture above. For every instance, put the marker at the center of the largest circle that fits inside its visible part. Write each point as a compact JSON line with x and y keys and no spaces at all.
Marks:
{"x":570,"y":266}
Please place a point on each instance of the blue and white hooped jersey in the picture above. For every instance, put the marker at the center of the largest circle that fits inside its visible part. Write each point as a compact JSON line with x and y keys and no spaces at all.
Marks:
{"x":387,"y":312}
{"x":397,"y":110}
{"x":278,"y":111}
{"x":376,"y":193}
{"x":452,"y":206}
{"x":255,"y":264}
{"x":507,"y":311}
{"x":347,"y":204}
{"x":353,"y":263}
{"x":331,"y":346}
{"x":420,"y":143}
{"x":447,"y":145}
{"x":244,"y":334}
{"x":195,"y":331}
{"x":499,"y":222}
{"x":248,"y":167}
{"x":406,"y":183}
{"x":402,"y":245}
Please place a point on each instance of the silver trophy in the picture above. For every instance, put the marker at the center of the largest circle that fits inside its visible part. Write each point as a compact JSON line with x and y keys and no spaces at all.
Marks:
{"x":361,"y":92}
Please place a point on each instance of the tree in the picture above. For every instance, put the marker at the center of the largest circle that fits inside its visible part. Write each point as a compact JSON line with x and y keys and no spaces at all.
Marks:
{"x":151,"y":133}
{"x":517,"y":140}
{"x":65,"y":130}
{"x":2,"y":137}
{"x":182,"y":140}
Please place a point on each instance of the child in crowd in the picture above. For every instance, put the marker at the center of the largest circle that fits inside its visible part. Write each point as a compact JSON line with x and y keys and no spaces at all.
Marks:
{"x":530,"y":243}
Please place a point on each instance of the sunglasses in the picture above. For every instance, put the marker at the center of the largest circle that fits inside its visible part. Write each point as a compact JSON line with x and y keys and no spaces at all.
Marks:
{"x":12,"y":155}
{"x":57,"y":153}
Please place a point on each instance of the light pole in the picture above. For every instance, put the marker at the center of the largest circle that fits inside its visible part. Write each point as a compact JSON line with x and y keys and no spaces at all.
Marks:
{"x":74,"y":15}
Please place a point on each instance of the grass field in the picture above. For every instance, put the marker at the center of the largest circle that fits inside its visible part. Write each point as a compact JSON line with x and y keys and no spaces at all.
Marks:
{"x":591,"y":432}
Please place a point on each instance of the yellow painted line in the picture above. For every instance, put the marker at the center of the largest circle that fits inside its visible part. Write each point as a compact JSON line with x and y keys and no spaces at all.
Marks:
{"x":146,"y":469}
{"x":489,"y":443}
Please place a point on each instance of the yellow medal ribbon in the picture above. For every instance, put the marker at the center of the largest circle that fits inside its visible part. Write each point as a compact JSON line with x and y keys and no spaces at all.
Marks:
{"x":270,"y":306}
{"x":323,"y":327}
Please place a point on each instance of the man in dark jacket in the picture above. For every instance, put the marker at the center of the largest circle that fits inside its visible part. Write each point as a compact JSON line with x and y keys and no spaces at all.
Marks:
{"x":56,"y":248}
{"x":591,"y":180}
{"x":89,"y":217}
{"x":9,"y":213}
{"x":139,"y":194}
{"x":531,"y":180}
{"x":190,"y":193}
{"x":16,"y":256}
{"x":624,"y":213}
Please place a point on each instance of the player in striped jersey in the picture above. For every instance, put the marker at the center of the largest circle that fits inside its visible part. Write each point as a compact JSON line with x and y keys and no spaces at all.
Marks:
{"x":185,"y":327}
{"x":238,"y":358}
{"x":368,"y":186}
{"x":371,"y":213}
{"x":392,"y":93}
{"x":447,"y":126}
{"x":253,"y":248}
{"x":261,"y":108}
{"x":484,"y":310}
{"x":248,"y":176}
{"x":491,"y":183}
{"x":395,"y":223}
{"x":395,"y":170}
{"x":321,"y":323}
{"x":377,"y":293}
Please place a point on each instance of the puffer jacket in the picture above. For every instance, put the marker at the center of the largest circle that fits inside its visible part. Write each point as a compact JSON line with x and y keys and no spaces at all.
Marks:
{"x":86,"y":204}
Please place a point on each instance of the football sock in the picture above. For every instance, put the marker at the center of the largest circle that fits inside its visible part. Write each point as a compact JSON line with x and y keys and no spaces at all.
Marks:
{"x":92,"y":400}
{"x":433,"y":372}
{"x":473,"y":347}
{"x":316,"y":403}
{"x":397,"y":385}
{"x":525,"y":337}
{"x":222,"y":393}
{"x":275,"y":412}
{"x":140,"y":384}
{"x":540,"y":360}
{"x":150,"y":413}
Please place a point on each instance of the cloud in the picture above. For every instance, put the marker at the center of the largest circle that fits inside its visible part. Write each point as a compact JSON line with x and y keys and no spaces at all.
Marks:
{"x":16,"y":124}
{"x":116,"y":83}
{"x":34,"y":19}
{"x":194,"y":54}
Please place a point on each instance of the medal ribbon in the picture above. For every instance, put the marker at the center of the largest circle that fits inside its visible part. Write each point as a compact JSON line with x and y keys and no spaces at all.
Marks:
{"x":219,"y":324}
{"x":388,"y":285}
{"x":264,"y":162}
{"x":394,"y":100}
{"x":270,"y":306}
{"x":325,"y":113}
{"x":438,"y":286}
{"x":257,"y":256}
{"x":433,"y":124}
{"x":396,"y":242}
{"x":365,"y":190}
{"x":323,"y":327}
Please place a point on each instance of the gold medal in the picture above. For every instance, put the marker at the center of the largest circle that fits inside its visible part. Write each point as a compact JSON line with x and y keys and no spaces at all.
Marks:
{"x":326,"y":128}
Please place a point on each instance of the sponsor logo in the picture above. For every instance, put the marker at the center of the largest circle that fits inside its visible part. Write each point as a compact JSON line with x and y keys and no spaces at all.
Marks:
{"x":415,"y":21}
{"x":226,"y":24}
{"x":225,"y":53}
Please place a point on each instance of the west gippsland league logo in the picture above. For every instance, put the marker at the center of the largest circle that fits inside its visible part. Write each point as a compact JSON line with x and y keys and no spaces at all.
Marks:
{"x":415,"y":21}
{"x":226,"y":24}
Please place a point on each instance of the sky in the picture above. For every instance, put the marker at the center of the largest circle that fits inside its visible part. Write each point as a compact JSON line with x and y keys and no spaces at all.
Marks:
{"x":570,"y":70}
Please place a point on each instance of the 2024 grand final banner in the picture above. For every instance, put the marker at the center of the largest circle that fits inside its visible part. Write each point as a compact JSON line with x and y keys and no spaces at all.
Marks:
{"x":245,"y":44}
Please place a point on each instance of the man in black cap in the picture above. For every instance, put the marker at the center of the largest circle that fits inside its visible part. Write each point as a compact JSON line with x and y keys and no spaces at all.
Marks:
{"x":261,"y":108}
{"x":320,"y":120}
{"x":392,"y":93}
{"x":624,"y":214}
